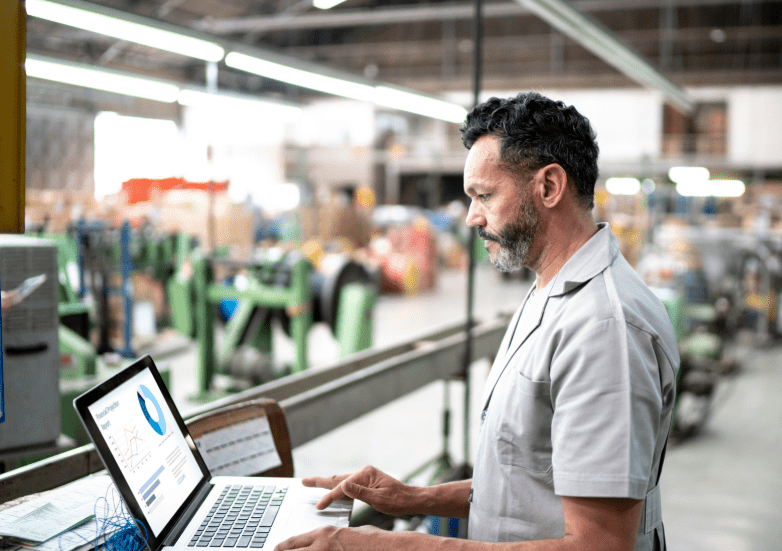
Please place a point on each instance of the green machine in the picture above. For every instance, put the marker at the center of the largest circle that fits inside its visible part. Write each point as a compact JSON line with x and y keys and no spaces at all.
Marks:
{"x":702,"y":354}
{"x":288,"y":289}
{"x":75,"y":325}
{"x":98,"y":249}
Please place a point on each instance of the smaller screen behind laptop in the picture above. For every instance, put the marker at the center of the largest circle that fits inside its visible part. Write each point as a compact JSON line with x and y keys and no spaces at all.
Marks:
{"x":148,"y":446}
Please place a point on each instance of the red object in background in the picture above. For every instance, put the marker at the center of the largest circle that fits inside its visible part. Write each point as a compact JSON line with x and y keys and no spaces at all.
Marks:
{"x":418,"y":243}
{"x":399,"y":274}
{"x":140,"y":189}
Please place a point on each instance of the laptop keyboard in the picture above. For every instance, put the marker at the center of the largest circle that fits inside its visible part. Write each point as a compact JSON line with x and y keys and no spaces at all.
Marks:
{"x":241,"y":517}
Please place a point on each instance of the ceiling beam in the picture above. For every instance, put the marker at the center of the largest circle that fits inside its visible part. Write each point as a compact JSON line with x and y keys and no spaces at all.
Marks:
{"x":540,"y":78}
{"x":391,"y":16}
{"x":641,"y":38}
{"x":606,"y":46}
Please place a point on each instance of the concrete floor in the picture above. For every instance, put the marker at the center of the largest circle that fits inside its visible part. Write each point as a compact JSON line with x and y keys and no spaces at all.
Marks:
{"x":720,"y":490}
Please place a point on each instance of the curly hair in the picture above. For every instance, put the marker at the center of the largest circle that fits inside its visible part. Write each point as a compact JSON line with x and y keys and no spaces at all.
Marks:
{"x":535,"y":131}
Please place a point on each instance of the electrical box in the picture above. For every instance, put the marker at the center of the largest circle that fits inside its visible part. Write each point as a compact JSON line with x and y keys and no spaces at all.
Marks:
{"x":31,"y":356}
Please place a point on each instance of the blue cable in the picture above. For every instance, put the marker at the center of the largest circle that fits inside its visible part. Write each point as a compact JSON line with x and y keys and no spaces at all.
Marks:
{"x":113,"y":516}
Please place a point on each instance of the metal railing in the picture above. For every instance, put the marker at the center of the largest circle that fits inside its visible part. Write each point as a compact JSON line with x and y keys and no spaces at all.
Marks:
{"x":315,"y":402}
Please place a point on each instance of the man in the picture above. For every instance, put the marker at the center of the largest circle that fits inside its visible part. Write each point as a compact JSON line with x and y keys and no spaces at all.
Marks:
{"x":578,"y":403}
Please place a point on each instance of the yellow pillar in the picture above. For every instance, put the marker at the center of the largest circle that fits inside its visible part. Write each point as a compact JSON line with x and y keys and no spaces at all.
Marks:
{"x":13,"y":23}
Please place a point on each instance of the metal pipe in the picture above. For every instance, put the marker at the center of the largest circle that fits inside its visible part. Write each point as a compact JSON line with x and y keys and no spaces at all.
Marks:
{"x":606,"y":46}
{"x":477,"y":33}
{"x":314,"y":413}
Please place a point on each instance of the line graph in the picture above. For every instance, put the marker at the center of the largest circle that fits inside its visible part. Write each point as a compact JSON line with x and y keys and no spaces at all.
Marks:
{"x":130,"y":444}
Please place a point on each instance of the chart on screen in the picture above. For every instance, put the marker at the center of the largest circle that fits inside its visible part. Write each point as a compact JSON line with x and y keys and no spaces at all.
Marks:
{"x":131,"y":445}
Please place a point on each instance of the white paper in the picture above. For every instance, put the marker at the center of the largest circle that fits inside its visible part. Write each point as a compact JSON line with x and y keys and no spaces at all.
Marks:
{"x":47,"y":521}
{"x":81,"y":493}
{"x":240,"y":449}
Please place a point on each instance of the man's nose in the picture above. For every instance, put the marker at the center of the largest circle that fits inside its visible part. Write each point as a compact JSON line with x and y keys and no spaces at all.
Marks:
{"x":475,"y":216}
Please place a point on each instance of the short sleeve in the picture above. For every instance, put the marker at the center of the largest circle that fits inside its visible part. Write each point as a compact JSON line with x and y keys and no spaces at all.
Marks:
{"x":607,"y":405}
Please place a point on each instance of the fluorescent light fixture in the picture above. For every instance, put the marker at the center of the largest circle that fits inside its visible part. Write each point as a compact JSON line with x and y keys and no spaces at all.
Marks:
{"x":381,"y":95}
{"x":326,"y":4}
{"x":688,"y":174}
{"x":602,"y":43}
{"x":124,"y":29}
{"x":194,"y":98}
{"x":711,"y":188}
{"x":623,"y":186}
{"x":100,"y":79}
{"x":305,"y":79}
{"x":421,"y":105}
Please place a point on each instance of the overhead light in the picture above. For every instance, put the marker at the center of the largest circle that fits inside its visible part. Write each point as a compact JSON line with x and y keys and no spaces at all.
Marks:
{"x":688,"y":174}
{"x":421,"y":105}
{"x":718,"y":36}
{"x":711,"y":188}
{"x":100,"y":79}
{"x":88,"y":17}
{"x":602,"y":43}
{"x":195,"y":98}
{"x":623,"y":186}
{"x":123,"y":83}
{"x":381,"y":95}
{"x":299,"y":77}
{"x":326,"y":4}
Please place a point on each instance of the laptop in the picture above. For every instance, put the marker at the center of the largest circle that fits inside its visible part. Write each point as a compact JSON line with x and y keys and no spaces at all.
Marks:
{"x":165,"y":483}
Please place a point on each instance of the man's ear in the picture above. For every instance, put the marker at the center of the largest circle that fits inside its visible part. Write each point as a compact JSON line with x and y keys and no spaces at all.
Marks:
{"x":553,"y":180}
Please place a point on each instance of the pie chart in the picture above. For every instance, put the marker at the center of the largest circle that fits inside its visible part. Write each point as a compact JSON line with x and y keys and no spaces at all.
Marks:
{"x":147,"y":401}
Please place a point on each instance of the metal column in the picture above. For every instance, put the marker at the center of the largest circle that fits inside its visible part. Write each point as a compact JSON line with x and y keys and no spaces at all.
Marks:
{"x":12,"y":115}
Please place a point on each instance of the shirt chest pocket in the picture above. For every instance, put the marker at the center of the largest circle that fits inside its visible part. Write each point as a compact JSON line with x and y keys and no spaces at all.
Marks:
{"x":523,"y":414}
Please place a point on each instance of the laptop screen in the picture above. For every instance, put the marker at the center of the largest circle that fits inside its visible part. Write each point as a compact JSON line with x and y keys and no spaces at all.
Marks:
{"x":154,"y":458}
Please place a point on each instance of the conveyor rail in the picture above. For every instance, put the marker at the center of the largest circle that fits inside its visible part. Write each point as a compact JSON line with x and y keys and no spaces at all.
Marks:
{"x":315,"y":401}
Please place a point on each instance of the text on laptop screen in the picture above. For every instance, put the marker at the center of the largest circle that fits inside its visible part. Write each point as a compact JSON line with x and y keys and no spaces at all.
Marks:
{"x":148,"y":446}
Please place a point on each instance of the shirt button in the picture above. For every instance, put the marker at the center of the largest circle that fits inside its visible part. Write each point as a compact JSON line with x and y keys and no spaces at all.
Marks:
{"x":483,"y":416}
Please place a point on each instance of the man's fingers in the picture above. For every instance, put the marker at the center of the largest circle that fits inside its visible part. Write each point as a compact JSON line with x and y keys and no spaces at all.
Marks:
{"x":327,"y":482}
{"x":346,"y":489}
{"x":330,"y":498}
{"x":355,"y":491}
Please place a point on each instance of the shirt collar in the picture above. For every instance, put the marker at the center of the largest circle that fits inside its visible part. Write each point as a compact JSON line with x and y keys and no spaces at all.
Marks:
{"x":592,"y":258}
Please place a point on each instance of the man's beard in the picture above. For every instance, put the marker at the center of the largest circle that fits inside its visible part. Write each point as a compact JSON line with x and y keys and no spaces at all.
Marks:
{"x":515,"y":239}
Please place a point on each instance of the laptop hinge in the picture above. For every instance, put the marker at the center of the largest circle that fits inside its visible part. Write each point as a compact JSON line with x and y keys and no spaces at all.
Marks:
{"x":187,"y":515}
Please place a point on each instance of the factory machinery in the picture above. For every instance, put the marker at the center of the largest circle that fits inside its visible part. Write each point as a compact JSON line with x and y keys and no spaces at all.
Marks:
{"x":94,"y":263}
{"x":230,"y":318}
{"x":722,"y":290}
{"x":286,"y":289}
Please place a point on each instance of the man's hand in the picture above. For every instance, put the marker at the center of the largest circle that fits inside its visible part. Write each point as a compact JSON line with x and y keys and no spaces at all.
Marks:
{"x":330,"y":538}
{"x":370,"y":485}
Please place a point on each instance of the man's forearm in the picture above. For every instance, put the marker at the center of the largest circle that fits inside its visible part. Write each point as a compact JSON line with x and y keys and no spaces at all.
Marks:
{"x":445,"y":500}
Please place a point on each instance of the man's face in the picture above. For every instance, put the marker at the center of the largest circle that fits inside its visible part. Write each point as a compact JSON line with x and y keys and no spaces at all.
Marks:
{"x":501,"y":207}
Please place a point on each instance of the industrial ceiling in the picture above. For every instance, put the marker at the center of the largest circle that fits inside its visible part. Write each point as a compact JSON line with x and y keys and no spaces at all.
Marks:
{"x":427,"y":46}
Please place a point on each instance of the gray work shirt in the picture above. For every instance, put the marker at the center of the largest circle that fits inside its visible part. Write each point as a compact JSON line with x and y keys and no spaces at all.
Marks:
{"x":578,"y":401}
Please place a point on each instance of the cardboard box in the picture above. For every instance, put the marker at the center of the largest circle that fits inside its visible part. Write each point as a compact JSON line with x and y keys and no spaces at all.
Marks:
{"x":189,"y":212}
{"x":335,"y":221}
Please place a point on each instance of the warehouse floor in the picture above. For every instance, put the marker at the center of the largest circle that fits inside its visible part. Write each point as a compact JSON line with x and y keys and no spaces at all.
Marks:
{"x":720,"y":488}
